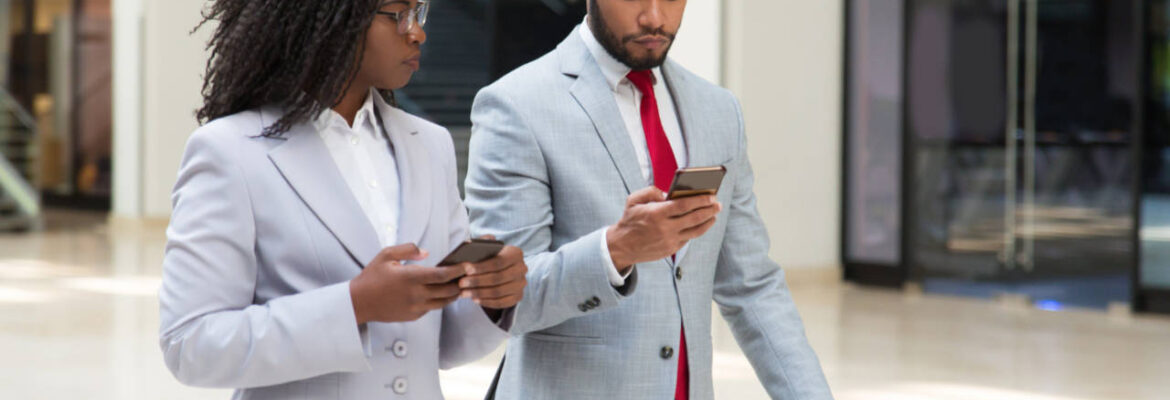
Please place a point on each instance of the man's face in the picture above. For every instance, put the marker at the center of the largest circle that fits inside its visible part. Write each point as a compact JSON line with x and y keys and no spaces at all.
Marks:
{"x":638,"y":33}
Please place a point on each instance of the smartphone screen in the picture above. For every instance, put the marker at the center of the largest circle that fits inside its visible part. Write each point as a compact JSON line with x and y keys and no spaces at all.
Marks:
{"x":696,"y":181}
{"x":473,"y":251}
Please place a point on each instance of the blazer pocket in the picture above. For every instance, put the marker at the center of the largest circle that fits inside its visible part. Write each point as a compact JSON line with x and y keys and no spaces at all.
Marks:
{"x":545,"y":337}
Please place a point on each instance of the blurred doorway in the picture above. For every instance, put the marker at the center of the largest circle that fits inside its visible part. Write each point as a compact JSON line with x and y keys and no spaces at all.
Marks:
{"x":1017,"y":133}
{"x":55,"y":62}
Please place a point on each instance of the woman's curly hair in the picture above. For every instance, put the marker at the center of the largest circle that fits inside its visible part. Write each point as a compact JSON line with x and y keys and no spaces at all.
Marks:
{"x":297,"y":54}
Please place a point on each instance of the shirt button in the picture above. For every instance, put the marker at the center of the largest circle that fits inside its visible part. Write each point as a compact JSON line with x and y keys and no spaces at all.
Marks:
{"x":400,"y":385}
{"x":400,"y":348}
{"x":353,"y":140}
{"x":373,"y":184}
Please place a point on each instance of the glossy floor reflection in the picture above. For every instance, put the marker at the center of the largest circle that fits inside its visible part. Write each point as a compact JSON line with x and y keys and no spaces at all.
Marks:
{"x":78,"y":319}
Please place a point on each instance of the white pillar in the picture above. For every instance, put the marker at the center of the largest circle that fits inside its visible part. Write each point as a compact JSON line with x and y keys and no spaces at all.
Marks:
{"x":783,"y":60}
{"x":698,"y":46}
{"x":127,"y":109}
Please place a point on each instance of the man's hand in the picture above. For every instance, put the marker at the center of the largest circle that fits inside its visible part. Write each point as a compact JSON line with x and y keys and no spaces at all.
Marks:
{"x":653,"y":228}
{"x":388,"y":291}
{"x":498,"y":283}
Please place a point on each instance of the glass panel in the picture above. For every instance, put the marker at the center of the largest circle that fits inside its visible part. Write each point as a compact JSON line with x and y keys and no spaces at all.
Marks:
{"x":1078,"y":215}
{"x":957,"y":110}
{"x":874,"y":160}
{"x":1155,"y":227}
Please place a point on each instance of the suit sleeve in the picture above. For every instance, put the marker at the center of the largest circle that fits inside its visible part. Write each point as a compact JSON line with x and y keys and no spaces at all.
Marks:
{"x":211,"y":332}
{"x":467,"y":334}
{"x":753,"y":297}
{"x":509,"y":196}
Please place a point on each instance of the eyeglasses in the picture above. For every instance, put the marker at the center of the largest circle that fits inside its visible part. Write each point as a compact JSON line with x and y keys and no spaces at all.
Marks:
{"x":407,"y":19}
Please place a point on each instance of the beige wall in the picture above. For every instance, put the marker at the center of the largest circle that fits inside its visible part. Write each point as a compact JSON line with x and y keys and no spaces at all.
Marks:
{"x":158,"y":67}
{"x":783,"y":60}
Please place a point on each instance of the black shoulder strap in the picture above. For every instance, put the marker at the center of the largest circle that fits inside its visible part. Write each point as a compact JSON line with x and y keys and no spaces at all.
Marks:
{"x":491,"y":394}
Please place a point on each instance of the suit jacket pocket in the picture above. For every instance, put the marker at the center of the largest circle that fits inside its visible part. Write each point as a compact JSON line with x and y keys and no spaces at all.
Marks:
{"x":547,"y":337}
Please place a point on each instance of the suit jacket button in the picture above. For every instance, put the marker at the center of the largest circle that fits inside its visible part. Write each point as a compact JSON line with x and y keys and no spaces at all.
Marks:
{"x":678,"y":273}
{"x":666,"y":353}
{"x":400,"y":385}
{"x":594,"y":302}
{"x":399,"y":348}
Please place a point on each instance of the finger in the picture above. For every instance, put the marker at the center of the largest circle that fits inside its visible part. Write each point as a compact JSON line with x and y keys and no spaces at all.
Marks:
{"x":435,"y":304}
{"x":442,"y":291}
{"x":488,"y":237}
{"x":440,"y":275}
{"x":696,"y":231}
{"x":696,"y":217}
{"x":507,"y":256}
{"x":685,"y":205}
{"x":646,"y":195}
{"x":405,"y":251}
{"x":488,"y":280}
{"x":500,"y":303}
{"x":496,"y":292}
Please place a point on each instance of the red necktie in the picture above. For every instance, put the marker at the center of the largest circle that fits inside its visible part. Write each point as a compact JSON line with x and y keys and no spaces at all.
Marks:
{"x":664,"y":165}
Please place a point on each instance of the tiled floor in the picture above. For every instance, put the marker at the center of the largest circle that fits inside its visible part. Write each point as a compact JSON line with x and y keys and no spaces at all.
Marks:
{"x":78,"y":320}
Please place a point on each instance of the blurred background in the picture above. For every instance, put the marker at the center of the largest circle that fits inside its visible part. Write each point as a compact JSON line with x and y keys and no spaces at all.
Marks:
{"x":971,"y":198}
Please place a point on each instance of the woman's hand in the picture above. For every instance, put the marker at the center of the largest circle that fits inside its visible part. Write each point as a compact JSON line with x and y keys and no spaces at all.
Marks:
{"x":497,"y":283}
{"x":388,"y":291}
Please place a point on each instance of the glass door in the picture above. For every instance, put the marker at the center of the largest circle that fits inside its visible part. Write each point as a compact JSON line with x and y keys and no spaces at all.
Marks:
{"x":1020,"y":127}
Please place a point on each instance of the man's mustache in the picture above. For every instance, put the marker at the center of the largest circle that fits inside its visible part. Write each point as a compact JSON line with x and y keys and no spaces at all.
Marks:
{"x":656,"y":32}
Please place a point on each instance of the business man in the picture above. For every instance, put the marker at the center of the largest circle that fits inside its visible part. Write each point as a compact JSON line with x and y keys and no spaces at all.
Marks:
{"x":570,"y":156}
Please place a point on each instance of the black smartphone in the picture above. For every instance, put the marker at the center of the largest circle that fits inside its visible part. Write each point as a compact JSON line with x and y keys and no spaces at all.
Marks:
{"x":473,"y":251}
{"x":696,"y":181}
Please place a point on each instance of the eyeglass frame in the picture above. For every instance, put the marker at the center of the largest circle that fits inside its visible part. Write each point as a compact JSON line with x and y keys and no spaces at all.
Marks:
{"x":416,"y":14}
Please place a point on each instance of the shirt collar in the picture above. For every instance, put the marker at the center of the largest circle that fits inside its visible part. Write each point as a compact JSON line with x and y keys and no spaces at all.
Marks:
{"x":615,"y":71}
{"x":365,"y":115}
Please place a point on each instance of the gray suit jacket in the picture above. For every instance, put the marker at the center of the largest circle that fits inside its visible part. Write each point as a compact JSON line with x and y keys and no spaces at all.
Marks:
{"x":263,"y":240}
{"x":551,"y":166}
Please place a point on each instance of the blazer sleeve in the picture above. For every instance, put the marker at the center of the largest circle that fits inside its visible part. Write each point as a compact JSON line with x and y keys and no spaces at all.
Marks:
{"x":211,"y":332}
{"x":509,"y":196}
{"x":467,"y":334}
{"x":753,"y":297}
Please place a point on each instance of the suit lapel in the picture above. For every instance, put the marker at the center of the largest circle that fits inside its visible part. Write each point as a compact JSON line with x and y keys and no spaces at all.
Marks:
{"x":686,"y":105}
{"x":308,"y":167}
{"x":415,"y":174}
{"x":594,"y":96}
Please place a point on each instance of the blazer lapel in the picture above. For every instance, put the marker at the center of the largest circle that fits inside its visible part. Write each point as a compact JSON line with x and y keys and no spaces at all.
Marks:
{"x":308,"y":167}
{"x":593,"y":94}
{"x":415,"y":174}
{"x":687,"y":106}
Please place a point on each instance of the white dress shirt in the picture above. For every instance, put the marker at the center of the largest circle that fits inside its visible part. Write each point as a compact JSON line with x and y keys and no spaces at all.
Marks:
{"x":629,"y":102}
{"x":365,"y":157}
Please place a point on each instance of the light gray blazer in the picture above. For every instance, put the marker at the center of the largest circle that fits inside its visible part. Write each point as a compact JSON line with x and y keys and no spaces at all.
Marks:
{"x":551,"y":166}
{"x":263,"y":239}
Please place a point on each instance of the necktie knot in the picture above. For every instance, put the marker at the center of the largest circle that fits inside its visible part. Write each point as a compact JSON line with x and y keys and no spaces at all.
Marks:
{"x":643,"y":80}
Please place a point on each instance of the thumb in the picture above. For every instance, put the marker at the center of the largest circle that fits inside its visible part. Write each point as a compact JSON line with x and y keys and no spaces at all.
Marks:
{"x":403,"y":252}
{"x":647,"y":195}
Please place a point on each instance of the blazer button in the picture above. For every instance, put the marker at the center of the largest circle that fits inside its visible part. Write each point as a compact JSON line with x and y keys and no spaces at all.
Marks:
{"x":400,"y":348}
{"x":678,"y":273}
{"x":666,"y":353}
{"x":400,"y":385}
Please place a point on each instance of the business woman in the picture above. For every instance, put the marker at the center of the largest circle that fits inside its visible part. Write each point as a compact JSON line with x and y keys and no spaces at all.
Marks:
{"x":309,"y":213}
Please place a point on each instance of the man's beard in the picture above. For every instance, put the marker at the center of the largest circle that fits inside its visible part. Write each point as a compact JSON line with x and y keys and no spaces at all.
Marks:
{"x":615,"y":46}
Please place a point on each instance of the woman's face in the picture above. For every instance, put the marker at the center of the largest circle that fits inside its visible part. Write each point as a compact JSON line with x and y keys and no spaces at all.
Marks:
{"x":390,"y":57}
